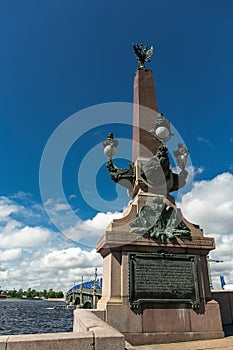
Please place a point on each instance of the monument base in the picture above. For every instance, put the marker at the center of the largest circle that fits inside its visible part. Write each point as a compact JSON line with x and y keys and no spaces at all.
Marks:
{"x":160,"y":323}
{"x":144,"y":315}
{"x":164,"y":324}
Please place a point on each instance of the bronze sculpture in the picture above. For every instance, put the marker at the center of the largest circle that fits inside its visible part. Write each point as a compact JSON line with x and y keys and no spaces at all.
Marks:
{"x":143,"y":54}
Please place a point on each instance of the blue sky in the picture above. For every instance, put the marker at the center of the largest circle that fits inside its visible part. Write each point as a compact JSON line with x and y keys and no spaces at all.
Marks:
{"x":59,"y":57}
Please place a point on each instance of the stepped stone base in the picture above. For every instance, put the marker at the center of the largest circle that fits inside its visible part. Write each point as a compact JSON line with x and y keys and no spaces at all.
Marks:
{"x":165,"y":338}
{"x":161,"y":323}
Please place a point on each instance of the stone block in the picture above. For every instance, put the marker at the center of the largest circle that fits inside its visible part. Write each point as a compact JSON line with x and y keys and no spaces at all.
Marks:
{"x":138,"y":339}
{"x":99,"y":313}
{"x":52,"y":341}
{"x":108,"y":338}
{"x":121,"y":317}
{"x":191,"y":336}
{"x":105,"y":336}
{"x":84,"y":320}
{"x":225,"y":301}
{"x":146,"y":338}
{"x":165,"y":318}
{"x":3,"y":341}
{"x":208,"y":321}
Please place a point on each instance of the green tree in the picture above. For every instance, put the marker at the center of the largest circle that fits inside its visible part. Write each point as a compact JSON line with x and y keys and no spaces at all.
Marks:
{"x":51,"y":293}
{"x":19,"y":294}
{"x":59,"y":294}
{"x":29,"y":293}
{"x":12,"y":293}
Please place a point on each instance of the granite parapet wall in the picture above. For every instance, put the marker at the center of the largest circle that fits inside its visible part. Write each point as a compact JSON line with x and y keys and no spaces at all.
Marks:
{"x":50,"y":341}
{"x":90,"y":333}
{"x":225,"y":300}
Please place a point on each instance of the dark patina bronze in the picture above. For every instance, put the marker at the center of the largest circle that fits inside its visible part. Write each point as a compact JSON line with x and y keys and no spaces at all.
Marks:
{"x":163,"y":278}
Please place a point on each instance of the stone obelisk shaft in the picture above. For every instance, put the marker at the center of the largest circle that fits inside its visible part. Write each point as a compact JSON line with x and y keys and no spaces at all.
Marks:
{"x":145,"y":114}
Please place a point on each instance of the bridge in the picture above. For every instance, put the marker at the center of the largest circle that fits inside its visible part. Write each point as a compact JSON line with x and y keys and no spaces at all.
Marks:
{"x":86,"y":294}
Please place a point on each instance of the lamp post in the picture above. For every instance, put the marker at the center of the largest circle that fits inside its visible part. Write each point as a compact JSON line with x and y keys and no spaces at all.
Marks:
{"x":74,"y":294}
{"x":94,"y":290}
{"x":81,"y":293}
{"x":209,"y":270}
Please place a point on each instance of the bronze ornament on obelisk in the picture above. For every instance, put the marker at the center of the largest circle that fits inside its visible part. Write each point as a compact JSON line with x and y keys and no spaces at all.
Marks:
{"x":155,"y":277}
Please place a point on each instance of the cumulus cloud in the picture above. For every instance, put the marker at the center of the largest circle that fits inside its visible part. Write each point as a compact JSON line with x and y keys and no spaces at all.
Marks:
{"x":34,"y":255}
{"x":210,"y":204}
{"x":87,"y":232}
{"x":23,"y":237}
{"x":38,"y":257}
{"x":61,"y":207}
{"x":10,"y":254}
{"x":57,"y":269}
{"x":7,"y":207}
{"x":69,"y":258}
{"x":14,"y":233}
{"x":102,"y":220}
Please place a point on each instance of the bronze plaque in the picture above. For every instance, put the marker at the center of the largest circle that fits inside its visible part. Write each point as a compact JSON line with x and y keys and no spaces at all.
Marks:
{"x":163,"y":278}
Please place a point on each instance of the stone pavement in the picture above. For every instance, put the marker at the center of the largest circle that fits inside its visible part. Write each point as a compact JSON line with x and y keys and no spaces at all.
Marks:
{"x":214,"y":344}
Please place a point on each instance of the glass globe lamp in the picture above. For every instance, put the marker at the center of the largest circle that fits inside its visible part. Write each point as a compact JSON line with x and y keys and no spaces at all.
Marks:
{"x":162,"y":133}
{"x":161,"y":129}
{"x":110,"y":146}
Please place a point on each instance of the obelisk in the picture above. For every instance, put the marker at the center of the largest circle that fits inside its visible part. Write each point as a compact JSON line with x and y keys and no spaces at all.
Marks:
{"x":145,"y":114}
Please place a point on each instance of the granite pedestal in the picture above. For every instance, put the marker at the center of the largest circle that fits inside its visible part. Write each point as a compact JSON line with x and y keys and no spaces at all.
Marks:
{"x":155,"y":322}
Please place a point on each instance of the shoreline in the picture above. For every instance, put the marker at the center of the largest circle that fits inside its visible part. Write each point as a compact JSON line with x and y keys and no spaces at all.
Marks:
{"x":34,"y":299}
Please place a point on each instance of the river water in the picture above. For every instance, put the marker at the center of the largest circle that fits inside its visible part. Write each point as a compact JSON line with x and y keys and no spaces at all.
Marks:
{"x":33,"y":316}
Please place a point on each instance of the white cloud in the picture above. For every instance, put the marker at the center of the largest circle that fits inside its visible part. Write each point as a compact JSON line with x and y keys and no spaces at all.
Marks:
{"x":10,"y":254}
{"x":192,"y":172}
{"x":14,"y":233}
{"x":61,"y":207}
{"x":14,"y":236}
{"x":102,"y":220}
{"x":70,"y":258}
{"x":36,"y":256}
{"x":206,"y":141}
{"x":7,"y":207}
{"x":210,"y":204}
{"x":57,"y":269}
{"x":89,"y":231}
